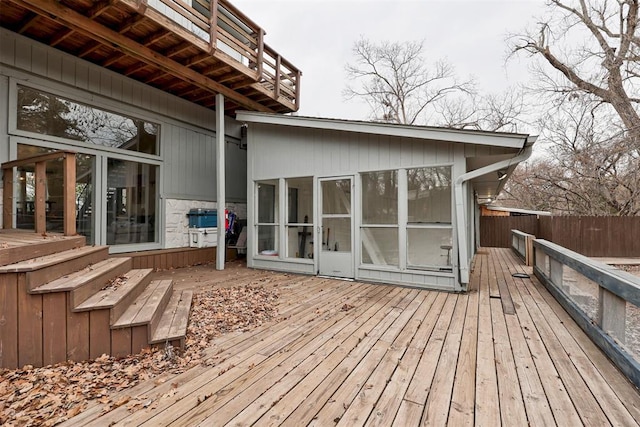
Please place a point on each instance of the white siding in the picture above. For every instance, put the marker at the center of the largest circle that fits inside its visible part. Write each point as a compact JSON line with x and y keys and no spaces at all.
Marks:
{"x":291,"y":152}
{"x":187,"y":144}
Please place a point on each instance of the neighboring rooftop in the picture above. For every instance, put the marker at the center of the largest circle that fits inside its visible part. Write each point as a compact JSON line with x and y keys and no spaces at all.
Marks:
{"x":192,"y":49}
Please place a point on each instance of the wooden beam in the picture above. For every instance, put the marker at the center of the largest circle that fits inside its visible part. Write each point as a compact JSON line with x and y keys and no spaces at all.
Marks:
{"x":28,"y":22}
{"x":181,"y":47}
{"x":69,"y":197}
{"x":196,"y":59}
{"x":72,"y":19}
{"x":40,"y":203}
{"x":135,"y":68}
{"x":61,"y":36}
{"x":7,"y":198}
{"x":155,"y":37}
{"x":88,"y":48}
{"x":114,"y":58}
{"x":97,"y":9}
{"x":130,"y":24}
{"x":35,"y":159}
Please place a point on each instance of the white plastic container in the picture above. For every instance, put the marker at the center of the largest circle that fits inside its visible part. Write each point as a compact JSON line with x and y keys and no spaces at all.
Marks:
{"x":203,"y":237}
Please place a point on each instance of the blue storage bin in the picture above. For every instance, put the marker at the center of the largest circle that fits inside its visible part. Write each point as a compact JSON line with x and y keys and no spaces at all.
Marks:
{"x":203,"y":218}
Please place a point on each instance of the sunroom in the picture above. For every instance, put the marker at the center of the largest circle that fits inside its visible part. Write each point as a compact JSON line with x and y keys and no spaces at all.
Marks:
{"x":370,"y":201}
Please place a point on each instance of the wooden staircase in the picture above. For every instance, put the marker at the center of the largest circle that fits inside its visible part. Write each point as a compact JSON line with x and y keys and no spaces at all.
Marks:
{"x":61,"y":300}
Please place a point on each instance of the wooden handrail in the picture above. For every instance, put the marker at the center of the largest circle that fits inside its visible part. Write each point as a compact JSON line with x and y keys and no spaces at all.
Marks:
{"x":69,"y":189}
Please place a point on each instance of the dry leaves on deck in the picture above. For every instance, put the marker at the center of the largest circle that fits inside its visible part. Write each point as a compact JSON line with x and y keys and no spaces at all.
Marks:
{"x":47,"y":396}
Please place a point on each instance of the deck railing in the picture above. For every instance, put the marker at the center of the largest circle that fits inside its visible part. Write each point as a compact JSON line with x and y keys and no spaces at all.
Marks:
{"x":225,"y":28}
{"x":602,"y":299}
{"x":522,"y":244}
{"x":40,"y":168}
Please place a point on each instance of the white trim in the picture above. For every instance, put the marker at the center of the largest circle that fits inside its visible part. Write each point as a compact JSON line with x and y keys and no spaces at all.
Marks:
{"x":221,"y":202}
{"x":509,"y":140}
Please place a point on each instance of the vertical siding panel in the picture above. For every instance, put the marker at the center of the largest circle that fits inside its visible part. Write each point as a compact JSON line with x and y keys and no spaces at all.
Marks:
{"x":69,"y":72}
{"x":82,"y":75}
{"x":38,"y":59}
{"x":7,"y":49}
{"x":4,"y":112}
{"x":105,"y":83}
{"x":116,"y":89}
{"x":94,"y":82}
{"x":54,"y":65}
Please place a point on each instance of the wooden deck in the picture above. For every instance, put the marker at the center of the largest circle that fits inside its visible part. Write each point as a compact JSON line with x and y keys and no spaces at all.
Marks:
{"x":348,"y":353}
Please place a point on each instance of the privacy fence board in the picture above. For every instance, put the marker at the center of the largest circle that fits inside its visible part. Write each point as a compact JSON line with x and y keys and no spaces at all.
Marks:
{"x":589,"y":236}
{"x":495,"y":231}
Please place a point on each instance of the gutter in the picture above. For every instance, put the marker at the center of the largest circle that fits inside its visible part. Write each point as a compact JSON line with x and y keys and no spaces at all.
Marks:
{"x":524,"y":154}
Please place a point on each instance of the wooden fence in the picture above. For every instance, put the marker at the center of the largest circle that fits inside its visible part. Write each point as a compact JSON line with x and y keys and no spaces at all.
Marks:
{"x":495,"y":231}
{"x":589,"y":236}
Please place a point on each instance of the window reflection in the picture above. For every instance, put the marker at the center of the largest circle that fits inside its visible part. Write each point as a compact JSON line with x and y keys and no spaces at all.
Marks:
{"x":48,"y":114}
{"x":131,"y":202}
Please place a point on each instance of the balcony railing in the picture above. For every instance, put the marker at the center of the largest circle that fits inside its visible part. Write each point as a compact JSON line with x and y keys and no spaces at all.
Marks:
{"x":603,"y":300}
{"x":224,"y":28}
{"x":39,"y":164}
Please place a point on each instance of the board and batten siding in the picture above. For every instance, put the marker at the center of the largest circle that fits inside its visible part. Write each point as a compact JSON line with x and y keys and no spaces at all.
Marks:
{"x":187,"y":139}
{"x":289,"y":152}
{"x":295,"y":152}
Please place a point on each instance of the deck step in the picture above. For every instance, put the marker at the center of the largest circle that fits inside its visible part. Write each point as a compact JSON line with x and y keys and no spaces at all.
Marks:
{"x":18,"y":246}
{"x":86,"y":282}
{"x":129,"y":286}
{"x":173,"y":324}
{"x":148,"y":307}
{"x":43,"y":269}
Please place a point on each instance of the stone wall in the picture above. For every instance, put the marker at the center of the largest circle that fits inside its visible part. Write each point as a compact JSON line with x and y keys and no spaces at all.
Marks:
{"x":177,"y":222}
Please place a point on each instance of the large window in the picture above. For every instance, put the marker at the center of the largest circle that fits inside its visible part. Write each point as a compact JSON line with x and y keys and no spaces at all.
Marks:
{"x":429,"y":230}
{"x":268,"y":217}
{"x":300,"y":217}
{"x":131,"y":202}
{"x":48,"y":114}
{"x":379,"y":231}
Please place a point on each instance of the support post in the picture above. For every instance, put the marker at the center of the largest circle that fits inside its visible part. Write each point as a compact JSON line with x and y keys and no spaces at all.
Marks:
{"x":7,"y":198}
{"x":612,"y":314}
{"x":220,"y":181}
{"x":213,"y":25}
{"x":40,"y":210}
{"x":69,"y":197}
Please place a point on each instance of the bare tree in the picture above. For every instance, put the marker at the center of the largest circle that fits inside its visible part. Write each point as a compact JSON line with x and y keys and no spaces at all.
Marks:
{"x":396,"y":82}
{"x":595,"y":47}
{"x":495,"y":113}
{"x":590,"y":168}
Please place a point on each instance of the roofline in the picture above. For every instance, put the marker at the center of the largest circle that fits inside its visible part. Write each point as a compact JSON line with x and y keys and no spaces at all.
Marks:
{"x":465,"y":136}
{"x":518,"y":210}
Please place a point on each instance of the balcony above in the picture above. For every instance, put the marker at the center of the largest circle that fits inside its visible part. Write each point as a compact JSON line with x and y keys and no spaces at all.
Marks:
{"x":192,"y":49}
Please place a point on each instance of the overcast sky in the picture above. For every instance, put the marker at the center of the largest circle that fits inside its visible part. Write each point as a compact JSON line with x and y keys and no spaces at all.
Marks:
{"x":317,"y":36}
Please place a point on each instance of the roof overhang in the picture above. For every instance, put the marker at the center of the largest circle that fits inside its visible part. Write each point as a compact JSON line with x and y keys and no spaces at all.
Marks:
{"x":496,"y":139}
{"x":193,"y":53}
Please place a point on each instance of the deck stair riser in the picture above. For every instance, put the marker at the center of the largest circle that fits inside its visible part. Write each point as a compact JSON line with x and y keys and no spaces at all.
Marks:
{"x":173,"y":325}
{"x":132,"y":284}
{"x":43,"y":269}
{"x":22,"y":250}
{"x":86,"y":282}
{"x":76,"y":303}
{"x":141,"y":318}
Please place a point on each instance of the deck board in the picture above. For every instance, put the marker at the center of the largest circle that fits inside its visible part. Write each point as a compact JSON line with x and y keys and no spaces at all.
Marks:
{"x":348,"y":353}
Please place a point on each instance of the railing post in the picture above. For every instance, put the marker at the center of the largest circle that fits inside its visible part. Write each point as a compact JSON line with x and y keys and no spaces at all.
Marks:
{"x":278,"y":76}
{"x":298,"y":77}
{"x":260,"y":58}
{"x":612,"y":313}
{"x":556,"y":271}
{"x":7,"y":198}
{"x":213,"y":24}
{"x":40,"y":203}
{"x":69,"y":198}
{"x":529,"y":250}
{"x":540,"y":261}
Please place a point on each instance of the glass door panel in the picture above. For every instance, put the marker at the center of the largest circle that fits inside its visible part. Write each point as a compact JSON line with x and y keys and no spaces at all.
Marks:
{"x":336,"y":228}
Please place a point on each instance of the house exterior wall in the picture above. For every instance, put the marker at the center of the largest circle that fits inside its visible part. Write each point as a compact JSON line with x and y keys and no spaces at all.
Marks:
{"x":277,"y":152}
{"x":187,"y":158}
